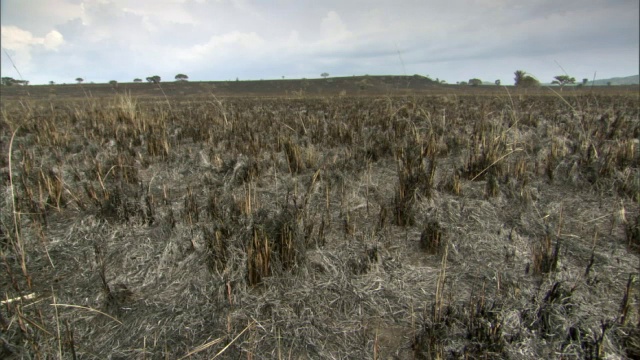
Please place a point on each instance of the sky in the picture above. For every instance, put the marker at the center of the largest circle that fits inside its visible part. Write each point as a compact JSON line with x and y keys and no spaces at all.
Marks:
{"x":452,"y":40}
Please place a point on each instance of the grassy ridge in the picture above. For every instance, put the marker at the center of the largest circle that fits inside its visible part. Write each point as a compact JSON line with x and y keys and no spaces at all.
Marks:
{"x":340,"y":86}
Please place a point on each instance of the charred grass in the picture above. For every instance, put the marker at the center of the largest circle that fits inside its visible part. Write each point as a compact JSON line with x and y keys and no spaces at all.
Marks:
{"x":427,"y":227}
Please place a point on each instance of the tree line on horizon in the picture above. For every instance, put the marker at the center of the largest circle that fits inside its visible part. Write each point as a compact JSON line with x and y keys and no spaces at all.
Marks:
{"x":521,"y":79}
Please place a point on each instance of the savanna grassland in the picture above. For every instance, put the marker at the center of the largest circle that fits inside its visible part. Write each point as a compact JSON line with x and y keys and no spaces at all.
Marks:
{"x":437,"y":224}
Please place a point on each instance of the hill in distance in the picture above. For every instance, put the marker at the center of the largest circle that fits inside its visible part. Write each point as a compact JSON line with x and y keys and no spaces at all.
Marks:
{"x":627,"y":80}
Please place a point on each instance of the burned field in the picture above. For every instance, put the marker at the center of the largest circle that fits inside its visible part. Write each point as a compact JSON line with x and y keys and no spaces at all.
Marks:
{"x":427,"y":227}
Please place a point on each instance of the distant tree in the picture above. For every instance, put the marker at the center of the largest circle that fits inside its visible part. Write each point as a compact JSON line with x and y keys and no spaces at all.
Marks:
{"x":113,"y":83}
{"x":463,"y":83}
{"x":525,"y":80}
{"x":137,"y":80}
{"x":475,"y":82}
{"x":79,"y":80}
{"x":563,"y":80}
{"x":324,"y":75}
{"x":497,"y":82}
{"x":182,"y":77}
{"x":154,"y":79}
{"x":609,"y":83}
{"x":8,"y":81}
{"x":21,"y":82}
{"x":585,"y":81}
{"x":52,"y":82}
{"x":519,"y":76}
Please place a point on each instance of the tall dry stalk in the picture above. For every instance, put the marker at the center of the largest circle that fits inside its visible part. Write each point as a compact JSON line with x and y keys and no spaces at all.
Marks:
{"x":19,"y":243}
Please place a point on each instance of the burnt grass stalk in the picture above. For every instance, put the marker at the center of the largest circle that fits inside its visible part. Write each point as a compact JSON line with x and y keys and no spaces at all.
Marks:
{"x":427,"y":226}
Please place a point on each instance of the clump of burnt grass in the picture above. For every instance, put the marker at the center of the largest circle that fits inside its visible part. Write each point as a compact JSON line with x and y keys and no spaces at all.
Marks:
{"x":453,"y":184}
{"x":191,"y":210}
{"x":488,"y":148}
{"x":432,"y":238}
{"x":469,"y":330}
{"x":294,"y":156}
{"x":545,"y":256}
{"x":415,"y":178}
{"x":121,"y":204}
{"x":275,"y":243}
{"x":218,"y":246}
{"x":602,"y":143}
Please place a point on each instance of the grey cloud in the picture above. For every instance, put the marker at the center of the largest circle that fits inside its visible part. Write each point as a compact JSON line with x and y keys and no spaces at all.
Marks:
{"x":225,"y":39}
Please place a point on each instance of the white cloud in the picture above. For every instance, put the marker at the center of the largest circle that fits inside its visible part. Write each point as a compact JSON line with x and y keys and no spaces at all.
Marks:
{"x":14,"y":38}
{"x":169,"y":12}
{"x":22,"y":43}
{"x":223,"y":47}
{"x":333,"y":28}
{"x":53,"y":40}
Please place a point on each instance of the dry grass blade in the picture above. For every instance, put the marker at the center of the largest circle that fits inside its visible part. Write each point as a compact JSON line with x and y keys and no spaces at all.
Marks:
{"x":495,"y":162}
{"x":216,"y":341}
{"x":88,"y":309}
{"x":19,"y":244}
{"x":234,"y":340}
{"x":202,"y":347}
{"x":442,"y":276}
{"x":21,"y":317}
{"x":26,"y":297}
